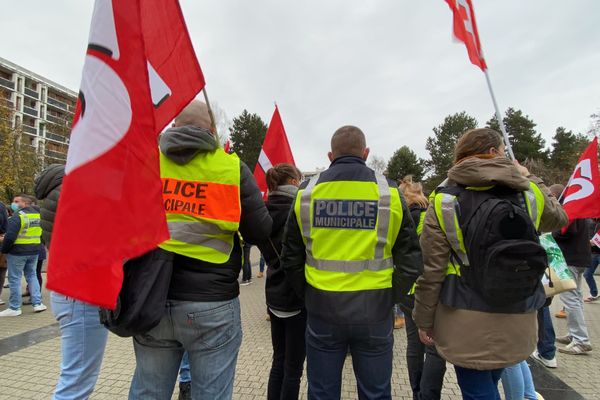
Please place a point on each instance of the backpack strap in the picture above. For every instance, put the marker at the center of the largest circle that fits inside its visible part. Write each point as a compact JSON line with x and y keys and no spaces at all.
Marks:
{"x":446,"y":213}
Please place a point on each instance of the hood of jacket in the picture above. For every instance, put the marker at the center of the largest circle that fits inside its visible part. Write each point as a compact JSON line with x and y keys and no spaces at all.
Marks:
{"x":48,"y":180}
{"x":476,"y":171}
{"x":183,"y":143}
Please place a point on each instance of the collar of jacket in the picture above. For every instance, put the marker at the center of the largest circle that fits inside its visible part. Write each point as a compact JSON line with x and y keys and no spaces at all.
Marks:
{"x":285,"y":190}
{"x":347,"y":160}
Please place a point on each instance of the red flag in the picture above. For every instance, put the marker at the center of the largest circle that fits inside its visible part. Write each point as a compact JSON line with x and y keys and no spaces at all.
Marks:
{"x":140,"y":71}
{"x":275,"y":150}
{"x":465,"y":30}
{"x":582,"y":194}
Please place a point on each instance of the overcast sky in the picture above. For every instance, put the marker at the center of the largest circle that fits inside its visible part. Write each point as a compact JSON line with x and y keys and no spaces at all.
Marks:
{"x":390,"y":67}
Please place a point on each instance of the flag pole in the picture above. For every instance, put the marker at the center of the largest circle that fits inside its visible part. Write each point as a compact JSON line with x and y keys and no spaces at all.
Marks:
{"x":499,"y":116}
{"x":210,"y":113}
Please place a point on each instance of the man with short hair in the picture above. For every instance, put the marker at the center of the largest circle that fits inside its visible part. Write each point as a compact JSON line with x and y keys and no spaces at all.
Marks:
{"x":22,"y":245}
{"x":209,"y":196}
{"x":352,"y":252}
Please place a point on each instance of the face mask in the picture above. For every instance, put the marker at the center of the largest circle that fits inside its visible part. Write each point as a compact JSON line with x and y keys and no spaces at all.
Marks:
{"x":14,"y":206}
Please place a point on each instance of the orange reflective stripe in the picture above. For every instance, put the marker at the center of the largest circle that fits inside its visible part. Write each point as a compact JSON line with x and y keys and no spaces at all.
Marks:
{"x":202,"y":199}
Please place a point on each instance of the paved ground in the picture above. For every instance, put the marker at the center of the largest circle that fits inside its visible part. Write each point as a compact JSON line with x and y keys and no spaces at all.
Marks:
{"x":31,"y":371}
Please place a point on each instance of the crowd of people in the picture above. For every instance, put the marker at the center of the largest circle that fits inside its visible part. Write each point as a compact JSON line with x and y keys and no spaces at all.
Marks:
{"x":342,"y":249}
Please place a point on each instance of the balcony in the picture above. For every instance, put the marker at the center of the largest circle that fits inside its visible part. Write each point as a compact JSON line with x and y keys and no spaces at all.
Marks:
{"x":55,"y":137}
{"x":7,"y":84}
{"x":31,"y":93}
{"x":30,"y":111}
{"x":56,"y":103}
{"x":56,"y":155}
{"x":29,"y":129}
{"x":55,"y":120}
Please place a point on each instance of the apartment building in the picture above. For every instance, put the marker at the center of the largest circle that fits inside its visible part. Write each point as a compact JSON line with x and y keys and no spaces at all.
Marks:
{"x":44,"y":110}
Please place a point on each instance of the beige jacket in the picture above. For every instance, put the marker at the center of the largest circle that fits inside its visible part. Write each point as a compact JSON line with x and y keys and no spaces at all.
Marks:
{"x":474,"y":339}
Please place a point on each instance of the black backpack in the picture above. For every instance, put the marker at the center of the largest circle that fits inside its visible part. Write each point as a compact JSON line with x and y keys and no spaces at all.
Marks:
{"x":142,"y":299}
{"x":506,"y":260}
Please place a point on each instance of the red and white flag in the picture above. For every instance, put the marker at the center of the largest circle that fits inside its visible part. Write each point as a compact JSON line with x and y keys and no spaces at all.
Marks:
{"x":581,"y":197}
{"x":140,"y":70}
{"x":275,"y":150}
{"x":465,"y":30}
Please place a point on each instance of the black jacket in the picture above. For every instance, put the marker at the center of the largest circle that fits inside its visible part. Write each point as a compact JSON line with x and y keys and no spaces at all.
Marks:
{"x":593,"y":226}
{"x":575,"y":243}
{"x":279,"y":294}
{"x":196,"y":280}
{"x":363,"y":306}
{"x":47,"y":188}
{"x":3,"y":218}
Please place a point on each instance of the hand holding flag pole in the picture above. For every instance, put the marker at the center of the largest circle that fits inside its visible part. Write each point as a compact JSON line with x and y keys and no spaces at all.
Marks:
{"x":465,"y":30}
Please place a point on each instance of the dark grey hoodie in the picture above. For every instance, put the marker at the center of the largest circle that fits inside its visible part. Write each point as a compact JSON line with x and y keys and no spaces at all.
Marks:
{"x":195,"y":280}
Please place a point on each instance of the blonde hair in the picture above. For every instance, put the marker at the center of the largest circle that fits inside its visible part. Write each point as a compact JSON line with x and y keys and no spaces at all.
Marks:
{"x":413,"y":192}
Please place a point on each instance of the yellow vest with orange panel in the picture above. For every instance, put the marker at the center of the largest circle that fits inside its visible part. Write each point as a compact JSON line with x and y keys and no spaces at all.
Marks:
{"x":202,"y":203}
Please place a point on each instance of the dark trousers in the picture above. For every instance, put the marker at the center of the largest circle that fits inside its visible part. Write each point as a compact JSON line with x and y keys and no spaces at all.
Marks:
{"x":38,"y":272}
{"x":546,"y":336}
{"x":371,"y":347}
{"x":2,"y":278}
{"x":478,"y":385}
{"x":589,"y":274}
{"x":426,"y":368}
{"x":247,"y":267}
{"x":289,"y":351}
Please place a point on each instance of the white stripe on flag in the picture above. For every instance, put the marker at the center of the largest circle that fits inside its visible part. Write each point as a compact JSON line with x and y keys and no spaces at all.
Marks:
{"x":264,"y":161}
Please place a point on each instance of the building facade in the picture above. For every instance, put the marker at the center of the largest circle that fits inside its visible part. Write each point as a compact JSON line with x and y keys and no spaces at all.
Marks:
{"x":42,"y":108}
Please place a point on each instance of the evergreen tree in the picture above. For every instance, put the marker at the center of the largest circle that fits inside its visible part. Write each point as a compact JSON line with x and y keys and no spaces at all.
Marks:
{"x":526,"y":142}
{"x":405,"y":162}
{"x":247,"y":135}
{"x":441,"y":145}
{"x":566,"y":149}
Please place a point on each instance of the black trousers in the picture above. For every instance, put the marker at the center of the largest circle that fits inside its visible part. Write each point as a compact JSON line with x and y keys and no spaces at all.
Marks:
{"x":426,"y":368}
{"x":289,"y":352}
{"x":247,"y":266}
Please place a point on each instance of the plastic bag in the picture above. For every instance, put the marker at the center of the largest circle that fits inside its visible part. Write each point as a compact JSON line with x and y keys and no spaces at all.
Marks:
{"x":558,"y":277}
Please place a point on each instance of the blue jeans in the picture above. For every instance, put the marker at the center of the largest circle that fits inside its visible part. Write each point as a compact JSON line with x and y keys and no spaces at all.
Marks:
{"x":371,"y":348}
{"x":184,"y":369}
{"x":478,"y":385}
{"x":517,"y":382}
{"x":82,"y":343}
{"x":261,"y":263}
{"x":210,"y":332}
{"x":589,"y":275}
{"x":546,"y":336}
{"x":17,"y":266}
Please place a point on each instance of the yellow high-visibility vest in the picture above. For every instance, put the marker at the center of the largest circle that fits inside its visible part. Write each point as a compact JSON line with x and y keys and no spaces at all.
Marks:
{"x":31,"y":231}
{"x":349,"y":229}
{"x":202,"y":203}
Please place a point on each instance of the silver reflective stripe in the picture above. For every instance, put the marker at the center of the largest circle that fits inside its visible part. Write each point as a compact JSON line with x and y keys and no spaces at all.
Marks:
{"x":449,"y":215}
{"x":383,"y":215}
{"x":191,"y":236}
{"x":196,"y":228}
{"x":383,"y":222}
{"x":532,"y":205}
{"x":305,"y":211}
{"x":349,"y":266}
